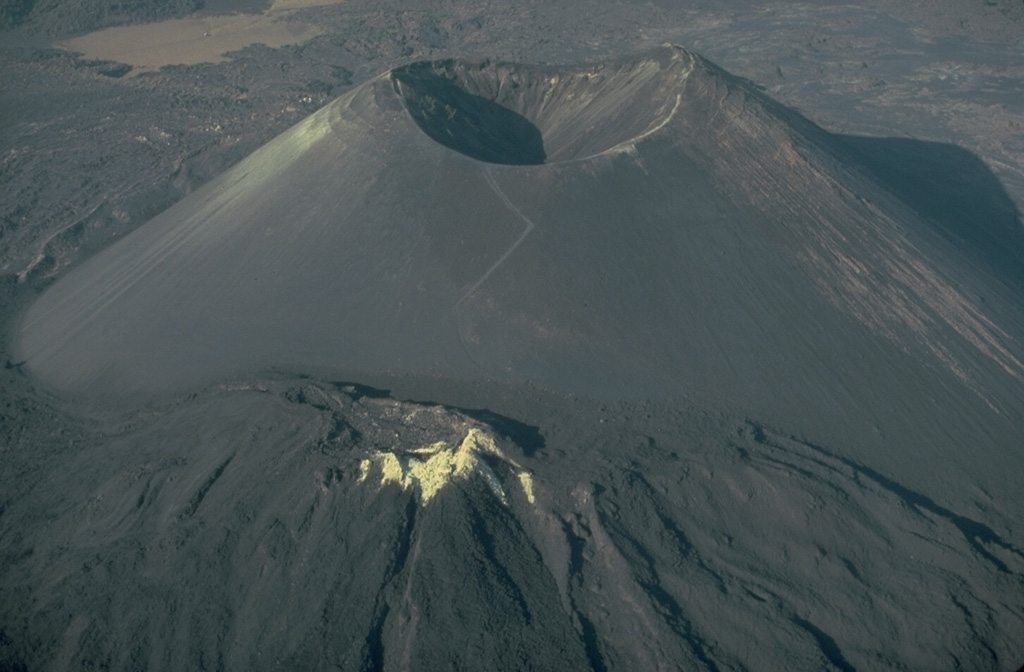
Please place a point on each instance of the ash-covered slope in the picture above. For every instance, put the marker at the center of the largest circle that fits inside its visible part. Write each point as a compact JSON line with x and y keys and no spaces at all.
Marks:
{"x":646,"y":228}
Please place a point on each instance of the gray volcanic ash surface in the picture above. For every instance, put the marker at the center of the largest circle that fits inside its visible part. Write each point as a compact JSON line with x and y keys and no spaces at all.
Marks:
{"x":684,"y":235}
{"x":652,"y":373}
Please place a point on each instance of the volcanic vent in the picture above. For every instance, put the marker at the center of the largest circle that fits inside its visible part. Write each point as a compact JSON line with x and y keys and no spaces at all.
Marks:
{"x":520,"y":115}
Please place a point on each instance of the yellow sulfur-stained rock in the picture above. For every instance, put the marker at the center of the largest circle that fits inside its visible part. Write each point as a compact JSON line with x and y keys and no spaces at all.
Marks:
{"x":526,"y":480}
{"x":428,"y":469}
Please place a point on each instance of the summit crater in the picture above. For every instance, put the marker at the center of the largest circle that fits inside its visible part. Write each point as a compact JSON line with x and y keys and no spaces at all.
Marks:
{"x":517,"y":114}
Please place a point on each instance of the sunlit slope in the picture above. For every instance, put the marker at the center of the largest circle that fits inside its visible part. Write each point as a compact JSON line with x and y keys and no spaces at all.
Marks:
{"x":645,"y":228}
{"x":338,"y":242}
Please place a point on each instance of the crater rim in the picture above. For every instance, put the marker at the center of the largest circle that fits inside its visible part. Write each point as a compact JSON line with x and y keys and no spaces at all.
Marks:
{"x":516,"y":114}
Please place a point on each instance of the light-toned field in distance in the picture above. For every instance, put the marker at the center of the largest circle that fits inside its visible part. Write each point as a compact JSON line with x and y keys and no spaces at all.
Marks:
{"x":198,"y":38}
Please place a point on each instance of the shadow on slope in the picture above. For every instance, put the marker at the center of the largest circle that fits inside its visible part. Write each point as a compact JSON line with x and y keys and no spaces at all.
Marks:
{"x":946,"y":185}
{"x":953,"y":189}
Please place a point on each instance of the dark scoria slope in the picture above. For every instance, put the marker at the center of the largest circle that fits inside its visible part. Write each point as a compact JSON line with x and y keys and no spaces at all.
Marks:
{"x":300,"y":525}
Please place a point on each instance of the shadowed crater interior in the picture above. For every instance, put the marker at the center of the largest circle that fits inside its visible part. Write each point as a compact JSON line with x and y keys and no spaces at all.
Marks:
{"x":520,"y":115}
